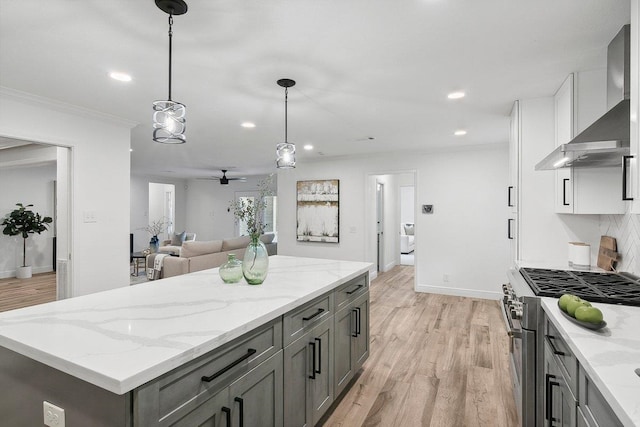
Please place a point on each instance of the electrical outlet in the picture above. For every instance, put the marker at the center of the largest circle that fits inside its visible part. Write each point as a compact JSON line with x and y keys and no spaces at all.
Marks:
{"x":445,"y":277}
{"x":53,"y":415}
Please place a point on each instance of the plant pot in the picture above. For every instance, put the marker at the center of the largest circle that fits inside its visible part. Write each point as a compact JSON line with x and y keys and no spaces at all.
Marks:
{"x":24,"y":272}
{"x":154,"y":245}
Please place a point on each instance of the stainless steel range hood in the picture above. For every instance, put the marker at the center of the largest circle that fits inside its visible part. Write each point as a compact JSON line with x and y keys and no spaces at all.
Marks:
{"x":604,"y":142}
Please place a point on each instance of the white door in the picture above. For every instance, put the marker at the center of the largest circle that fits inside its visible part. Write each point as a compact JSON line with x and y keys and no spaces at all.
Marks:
{"x":380,"y":223}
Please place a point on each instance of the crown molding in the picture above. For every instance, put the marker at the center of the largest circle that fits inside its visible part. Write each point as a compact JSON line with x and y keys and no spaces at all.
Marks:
{"x":63,"y":107}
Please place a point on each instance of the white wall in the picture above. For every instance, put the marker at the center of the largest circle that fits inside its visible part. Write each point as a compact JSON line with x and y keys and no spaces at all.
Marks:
{"x":27,"y":185}
{"x":407,"y":204}
{"x":465,"y":237}
{"x":140,"y":207}
{"x":207,"y":204}
{"x":100,"y":186}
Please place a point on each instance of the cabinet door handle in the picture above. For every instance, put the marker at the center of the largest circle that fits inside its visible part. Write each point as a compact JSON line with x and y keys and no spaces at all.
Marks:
{"x":319,"y":341}
{"x":313,"y":360}
{"x":354,"y":324}
{"x":241,"y":407}
{"x":250,"y":352}
{"x":625,"y":162}
{"x":509,"y":202}
{"x":549,"y":398}
{"x":564,"y":191}
{"x":317,"y":313}
{"x":359,"y":322}
{"x":227,"y":413}
{"x":355,"y":289}
{"x":509,"y":236}
{"x":553,"y":347}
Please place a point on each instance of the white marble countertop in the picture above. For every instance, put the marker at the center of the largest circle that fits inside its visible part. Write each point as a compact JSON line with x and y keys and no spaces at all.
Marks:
{"x":123,"y":338}
{"x":609,"y":356}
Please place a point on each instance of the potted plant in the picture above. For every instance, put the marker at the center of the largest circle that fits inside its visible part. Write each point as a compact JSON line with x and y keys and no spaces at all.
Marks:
{"x":256,"y":259}
{"x":155,"y":228}
{"x":23,"y":222}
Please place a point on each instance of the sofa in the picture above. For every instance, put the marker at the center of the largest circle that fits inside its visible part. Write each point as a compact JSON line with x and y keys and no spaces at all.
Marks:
{"x":202,"y":255}
{"x":407,"y":238}
{"x":174,"y":244}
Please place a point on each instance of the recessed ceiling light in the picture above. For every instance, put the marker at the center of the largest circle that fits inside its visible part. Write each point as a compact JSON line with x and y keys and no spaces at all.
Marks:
{"x":460,"y":132}
{"x":308,"y":147}
{"x":455,"y":95}
{"x":121,"y":77}
{"x":248,"y":125}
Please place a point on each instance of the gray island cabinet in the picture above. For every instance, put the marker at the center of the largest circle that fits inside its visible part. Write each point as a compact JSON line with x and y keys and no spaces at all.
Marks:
{"x":192,"y":351}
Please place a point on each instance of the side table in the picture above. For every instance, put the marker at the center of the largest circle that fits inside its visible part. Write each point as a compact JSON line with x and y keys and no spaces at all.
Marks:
{"x":137,"y":257}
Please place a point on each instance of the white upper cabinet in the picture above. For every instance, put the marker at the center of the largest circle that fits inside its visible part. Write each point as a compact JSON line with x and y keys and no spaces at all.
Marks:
{"x":579,"y":102}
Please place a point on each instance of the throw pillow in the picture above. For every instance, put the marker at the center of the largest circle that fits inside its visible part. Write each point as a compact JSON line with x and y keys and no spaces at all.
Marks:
{"x":177,"y":239}
{"x":408,"y":229}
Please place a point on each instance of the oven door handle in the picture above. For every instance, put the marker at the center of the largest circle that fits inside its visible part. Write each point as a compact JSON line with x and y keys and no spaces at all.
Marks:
{"x":511,"y":332}
{"x":514,"y":334}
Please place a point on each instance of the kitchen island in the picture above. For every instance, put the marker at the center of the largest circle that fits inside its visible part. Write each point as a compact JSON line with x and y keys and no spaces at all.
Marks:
{"x":608,"y":357}
{"x":122,"y":346}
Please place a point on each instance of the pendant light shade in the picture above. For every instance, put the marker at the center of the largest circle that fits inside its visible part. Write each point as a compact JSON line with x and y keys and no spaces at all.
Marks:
{"x":285,"y":151}
{"x":169,"y":116}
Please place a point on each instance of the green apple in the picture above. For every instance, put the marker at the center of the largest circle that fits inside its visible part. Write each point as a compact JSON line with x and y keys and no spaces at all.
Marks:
{"x":589,"y":314}
{"x":564,"y":300}
{"x":574,"y":304}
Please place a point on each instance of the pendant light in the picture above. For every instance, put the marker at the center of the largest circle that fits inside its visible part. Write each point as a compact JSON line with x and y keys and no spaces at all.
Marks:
{"x":286,"y":152}
{"x":169,"y":116}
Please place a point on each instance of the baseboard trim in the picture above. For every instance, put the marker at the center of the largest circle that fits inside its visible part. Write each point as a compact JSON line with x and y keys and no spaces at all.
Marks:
{"x":471,"y":293}
{"x":34,"y":270}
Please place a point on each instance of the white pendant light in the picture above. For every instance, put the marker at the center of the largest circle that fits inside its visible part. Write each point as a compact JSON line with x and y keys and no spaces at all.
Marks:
{"x":285,"y":151}
{"x":169,"y":116}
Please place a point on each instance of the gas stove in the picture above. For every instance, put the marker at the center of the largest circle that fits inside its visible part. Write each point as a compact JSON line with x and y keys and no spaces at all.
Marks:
{"x":610,"y":288}
{"x":525,"y":325}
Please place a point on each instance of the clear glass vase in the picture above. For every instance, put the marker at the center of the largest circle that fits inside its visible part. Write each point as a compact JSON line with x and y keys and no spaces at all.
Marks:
{"x":231,"y":271}
{"x":256,"y":262}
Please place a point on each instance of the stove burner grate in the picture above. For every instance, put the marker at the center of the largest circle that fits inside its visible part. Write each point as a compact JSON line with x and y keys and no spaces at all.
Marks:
{"x":610,"y":288}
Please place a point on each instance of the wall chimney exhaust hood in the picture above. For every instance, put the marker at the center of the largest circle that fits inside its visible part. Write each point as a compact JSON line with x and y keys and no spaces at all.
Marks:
{"x":604,"y":142}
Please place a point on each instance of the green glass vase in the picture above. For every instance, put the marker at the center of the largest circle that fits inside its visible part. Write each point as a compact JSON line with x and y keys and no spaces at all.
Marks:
{"x":231,"y":271}
{"x":255,"y":262}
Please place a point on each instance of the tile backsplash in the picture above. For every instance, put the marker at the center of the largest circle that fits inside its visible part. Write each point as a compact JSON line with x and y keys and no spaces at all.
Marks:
{"x":626,"y":230}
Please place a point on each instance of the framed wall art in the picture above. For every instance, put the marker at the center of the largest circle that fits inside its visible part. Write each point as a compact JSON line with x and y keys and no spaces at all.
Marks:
{"x":318,"y":211}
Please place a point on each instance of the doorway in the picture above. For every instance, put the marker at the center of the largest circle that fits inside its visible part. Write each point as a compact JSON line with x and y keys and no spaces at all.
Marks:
{"x":162,"y":207}
{"x":39,"y":174}
{"x":391,"y":204}
{"x":380,"y":225}
{"x":407,"y":224}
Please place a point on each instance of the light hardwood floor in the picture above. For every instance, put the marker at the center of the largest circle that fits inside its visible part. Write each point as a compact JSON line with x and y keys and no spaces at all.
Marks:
{"x":18,"y":293}
{"x":435,"y":360}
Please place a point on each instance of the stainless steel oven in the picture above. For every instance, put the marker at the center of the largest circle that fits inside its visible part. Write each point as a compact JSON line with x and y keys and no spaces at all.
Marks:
{"x":514,"y":331}
{"x":521,"y":312}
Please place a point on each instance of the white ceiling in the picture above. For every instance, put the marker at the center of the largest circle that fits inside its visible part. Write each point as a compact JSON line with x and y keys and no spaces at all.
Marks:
{"x":364,"y":68}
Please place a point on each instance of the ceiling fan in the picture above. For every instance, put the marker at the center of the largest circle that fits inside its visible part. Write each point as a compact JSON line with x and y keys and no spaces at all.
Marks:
{"x":224,"y":180}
